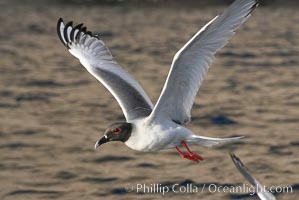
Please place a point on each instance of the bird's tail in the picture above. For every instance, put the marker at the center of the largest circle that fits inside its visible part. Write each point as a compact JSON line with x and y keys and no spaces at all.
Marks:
{"x":208,"y":141}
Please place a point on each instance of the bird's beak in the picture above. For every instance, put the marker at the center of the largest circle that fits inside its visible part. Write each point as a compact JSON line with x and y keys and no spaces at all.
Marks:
{"x":101,"y":141}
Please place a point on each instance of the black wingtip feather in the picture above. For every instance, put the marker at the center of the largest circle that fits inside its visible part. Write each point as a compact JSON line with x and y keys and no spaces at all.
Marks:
{"x":253,"y":7}
{"x":236,"y":158}
{"x":66,"y":38}
{"x":65,"y":34}
{"x":77,"y":27}
{"x":59,"y":22}
{"x":83,"y":30}
{"x":89,"y":33}
{"x":233,"y":156}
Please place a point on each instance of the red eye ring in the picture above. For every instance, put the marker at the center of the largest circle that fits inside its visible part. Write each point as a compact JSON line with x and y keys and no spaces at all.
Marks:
{"x":116,"y":130}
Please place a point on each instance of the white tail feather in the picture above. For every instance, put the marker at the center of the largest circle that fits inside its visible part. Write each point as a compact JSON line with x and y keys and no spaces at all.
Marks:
{"x":208,"y":141}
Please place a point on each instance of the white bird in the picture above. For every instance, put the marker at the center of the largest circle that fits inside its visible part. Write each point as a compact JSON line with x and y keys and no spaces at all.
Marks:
{"x":149,"y":128}
{"x":260,"y":190}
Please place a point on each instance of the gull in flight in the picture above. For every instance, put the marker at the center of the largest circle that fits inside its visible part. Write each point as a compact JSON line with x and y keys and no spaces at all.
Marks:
{"x":148,"y":127}
{"x":259,"y":188}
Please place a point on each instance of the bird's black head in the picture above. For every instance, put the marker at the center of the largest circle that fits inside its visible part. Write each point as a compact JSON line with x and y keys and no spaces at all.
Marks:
{"x":120,"y":131}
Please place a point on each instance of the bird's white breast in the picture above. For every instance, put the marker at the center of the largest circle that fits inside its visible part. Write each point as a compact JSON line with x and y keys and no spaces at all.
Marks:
{"x":153,"y":137}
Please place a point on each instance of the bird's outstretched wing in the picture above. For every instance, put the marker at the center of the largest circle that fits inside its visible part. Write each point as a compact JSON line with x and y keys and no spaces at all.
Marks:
{"x":97,"y":59}
{"x":260,"y":189}
{"x":192,"y":61}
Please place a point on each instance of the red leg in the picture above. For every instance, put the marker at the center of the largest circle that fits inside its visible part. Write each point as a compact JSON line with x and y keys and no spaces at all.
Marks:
{"x":191,"y":156}
{"x":187,"y":156}
{"x":184,"y":144}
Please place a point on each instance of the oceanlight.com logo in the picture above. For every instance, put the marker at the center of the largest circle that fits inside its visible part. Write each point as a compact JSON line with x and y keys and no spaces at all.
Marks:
{"x":190,"y":188}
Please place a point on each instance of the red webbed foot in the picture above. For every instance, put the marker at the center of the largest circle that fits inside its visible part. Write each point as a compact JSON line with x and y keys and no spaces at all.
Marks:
{"x":191,"y":156}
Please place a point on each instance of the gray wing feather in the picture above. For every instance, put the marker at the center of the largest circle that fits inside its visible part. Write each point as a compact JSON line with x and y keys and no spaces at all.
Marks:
{"x":97,"y":59}
{"x":192,"y":61}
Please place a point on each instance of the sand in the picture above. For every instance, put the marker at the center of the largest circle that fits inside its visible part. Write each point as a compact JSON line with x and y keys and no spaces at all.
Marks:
{"x":53,"y":111}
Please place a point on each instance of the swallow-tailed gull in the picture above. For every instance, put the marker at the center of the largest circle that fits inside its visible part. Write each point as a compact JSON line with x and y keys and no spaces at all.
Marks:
{"x":148,"y":127}
{"x":259,"y":188}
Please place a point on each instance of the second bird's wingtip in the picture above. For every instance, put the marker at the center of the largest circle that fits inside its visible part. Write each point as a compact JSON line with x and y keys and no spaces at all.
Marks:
{"x":233,"y":155}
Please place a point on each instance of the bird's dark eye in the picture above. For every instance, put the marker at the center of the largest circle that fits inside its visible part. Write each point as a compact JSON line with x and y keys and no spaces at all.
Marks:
{"x":116,"y":130}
